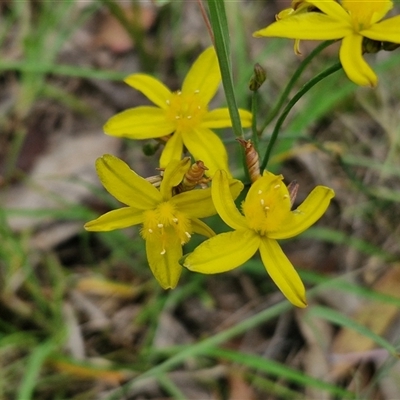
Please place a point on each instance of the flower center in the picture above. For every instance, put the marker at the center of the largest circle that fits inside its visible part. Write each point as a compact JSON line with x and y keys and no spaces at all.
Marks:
{"x":366,"y":13}
{"x":160,"y":221}
{"x":267,"y":204}
{"x":185,"y":110}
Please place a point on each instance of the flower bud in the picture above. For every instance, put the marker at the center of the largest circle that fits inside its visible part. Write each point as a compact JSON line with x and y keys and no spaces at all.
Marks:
{"x":389,"y":46}
{"x":370,"y":46}
{"x":149,"y":149}
{"x":258,"y":78}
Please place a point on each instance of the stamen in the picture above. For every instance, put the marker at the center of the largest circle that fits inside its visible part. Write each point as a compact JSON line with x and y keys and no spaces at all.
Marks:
{"x":197,"y":91}
{"x":260,"y":191}
{"x":285,"y":196}
{"x":199,"y":107}
{"x":175,"y":220}
{"x":160,"y":225}
{"x":178,"y":92}
{"x":262,"y":202}
{"x":277,"y":186}
{"x":163,"y":252}
{"x":168,"y":102}
{"x":178,"y":117}
{"x":188,"y":235}
{"x":266,"y":208}
{"x":150,"y":230}
{"x":189,"y":117}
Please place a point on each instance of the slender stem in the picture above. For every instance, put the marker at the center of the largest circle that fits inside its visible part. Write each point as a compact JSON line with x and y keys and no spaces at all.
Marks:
{"x":275,"y":110}
{"x":219,"y":25}
{"x":254,"y":111}
{"x":206,"y":20}
{"x":311,"y":83}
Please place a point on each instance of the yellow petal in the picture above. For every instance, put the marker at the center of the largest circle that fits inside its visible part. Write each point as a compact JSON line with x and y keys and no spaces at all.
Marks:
{"x":164,"y":261}
{"x":309,"y":212}
{"x":139,"y":123}
{"x":367,"y":12}
{"x":201,"y":228}
{"x":387,"y":30}
{"x":353,"y":63}
{"x":223,"y":252}
{"x":332,"y":8}
{"x":116,"y":219}
{"x":307,"y":26}
{"x":173,"y":176}
{"x":172,"y":150}
{"x":206,"y":146}
{"x":220,"y":118}
{"x":201,"y":198}
{"x":126,"y":185}
{"x":195,"y":203}
{"x":224,"y":203}
{"x":203,"y":77}
{"x":151,"y":87}
{"x":282,"y":272}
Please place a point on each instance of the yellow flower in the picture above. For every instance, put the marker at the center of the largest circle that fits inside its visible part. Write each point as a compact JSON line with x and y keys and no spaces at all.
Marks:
{"x":351,"y":21}
{"x":297,"y":7}
{"x":266,"y":217}
{"x":184,"y":113}
{"x":168,"y":221}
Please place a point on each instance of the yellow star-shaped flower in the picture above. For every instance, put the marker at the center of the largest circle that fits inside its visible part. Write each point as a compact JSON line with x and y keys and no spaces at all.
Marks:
{"x":266,"y":217}
{"x":349,"y":20}
{"x":168,"y":221}
{"x":184,"y":113}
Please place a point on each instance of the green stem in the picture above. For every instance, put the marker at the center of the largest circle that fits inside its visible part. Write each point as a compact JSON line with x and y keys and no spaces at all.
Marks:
{"x":254,"y":111}
{"x":274,"y":111}
{"x":220,"y":29}
{"x":311,"y":83}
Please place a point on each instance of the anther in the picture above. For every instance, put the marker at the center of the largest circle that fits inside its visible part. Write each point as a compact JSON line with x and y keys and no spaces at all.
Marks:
{"x":277,"y":186}
{"x":197,"y":91}
{"x":260,"y":191}
{"x":189,"y":117}
{"x":266,"y":208}
{"x":160,"y":225}
{"x":188,"y":235}
{"x":285,"y":196}
{"x":168,"y":102}
{"x":178,"y":92}
{"x":262,"y":202}
{"x":150,"y":230}
{"x":163,"y":252}
{"x":177,"y":117}
{"x":175,"y":220}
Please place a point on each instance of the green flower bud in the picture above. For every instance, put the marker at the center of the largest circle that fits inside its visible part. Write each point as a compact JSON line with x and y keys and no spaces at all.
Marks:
{"x":389,"y":46}
{"x":258,"y":78}
{"x":371,"y":46}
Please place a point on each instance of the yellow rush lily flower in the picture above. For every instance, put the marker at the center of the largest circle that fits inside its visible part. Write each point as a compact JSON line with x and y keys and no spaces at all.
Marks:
{"x":349,"y":20}
{"x":167,"y":221}
{"x":184,"y":113}
{"x":266,"y":217}
{"x":297,"y":7}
